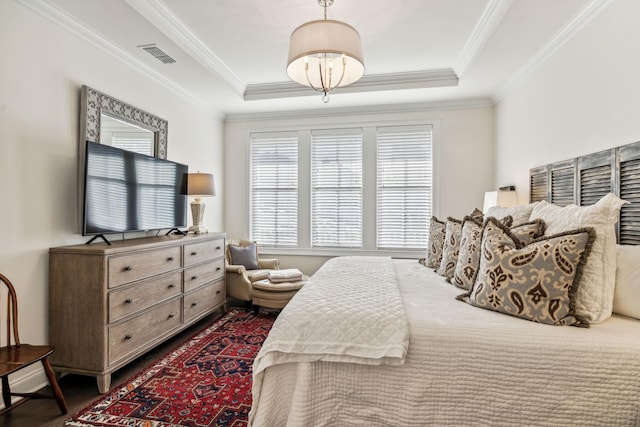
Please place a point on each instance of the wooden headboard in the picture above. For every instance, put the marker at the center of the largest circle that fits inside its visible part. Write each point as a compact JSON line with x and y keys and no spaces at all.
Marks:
{"x":584,"y":180}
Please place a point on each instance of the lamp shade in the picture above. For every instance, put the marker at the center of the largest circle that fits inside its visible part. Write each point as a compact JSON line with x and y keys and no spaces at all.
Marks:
{"x":315,"y":45}
{"x":503,"y":198}
{"x":200,"y":184}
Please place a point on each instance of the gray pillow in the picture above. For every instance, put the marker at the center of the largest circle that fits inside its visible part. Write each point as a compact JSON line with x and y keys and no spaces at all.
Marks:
{"x":244,"y":255}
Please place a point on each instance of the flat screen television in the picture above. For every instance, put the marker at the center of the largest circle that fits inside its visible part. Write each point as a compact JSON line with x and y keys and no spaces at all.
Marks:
{"x":126,"y":191}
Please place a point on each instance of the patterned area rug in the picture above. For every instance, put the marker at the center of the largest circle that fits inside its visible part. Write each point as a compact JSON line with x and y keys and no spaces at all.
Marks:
{"x":206,"y":381}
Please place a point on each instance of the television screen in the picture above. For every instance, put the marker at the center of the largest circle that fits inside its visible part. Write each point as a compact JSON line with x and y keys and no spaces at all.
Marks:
{"x":126,"y":191}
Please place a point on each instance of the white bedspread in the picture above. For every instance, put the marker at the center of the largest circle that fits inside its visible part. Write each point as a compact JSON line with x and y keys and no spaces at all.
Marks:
{"x":349,"y":311}
{"x":465,"y":366}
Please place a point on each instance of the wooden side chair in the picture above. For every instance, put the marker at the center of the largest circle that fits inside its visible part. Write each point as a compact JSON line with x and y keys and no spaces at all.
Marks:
{"x":16,"y":356}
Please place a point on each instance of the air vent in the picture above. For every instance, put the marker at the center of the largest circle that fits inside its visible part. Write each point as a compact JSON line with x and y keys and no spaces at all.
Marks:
{"x":158,"y":53}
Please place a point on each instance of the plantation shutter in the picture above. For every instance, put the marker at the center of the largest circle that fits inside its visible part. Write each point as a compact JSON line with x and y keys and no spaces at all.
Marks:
{"x":538,"y":184}
{"x":628,"y":174}
{"x":563,"y":183}
{"x":274,"y":189}
{"x":404,"y":174}
{"x":595,"y":176}
{"x":336,"y":181}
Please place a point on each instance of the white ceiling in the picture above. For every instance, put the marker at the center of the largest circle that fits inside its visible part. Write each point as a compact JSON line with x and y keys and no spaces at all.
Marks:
{"x":225,"y":48}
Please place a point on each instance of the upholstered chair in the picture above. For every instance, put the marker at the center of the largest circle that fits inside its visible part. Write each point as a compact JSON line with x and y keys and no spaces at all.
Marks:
{"x":244,"y":267}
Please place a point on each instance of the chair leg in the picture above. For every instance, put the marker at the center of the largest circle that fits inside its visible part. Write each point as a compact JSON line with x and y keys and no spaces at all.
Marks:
{"x":57,"y":392}
{"x":247,"y":305}
{"x":6,"y":392}
{"x":256,"y":309}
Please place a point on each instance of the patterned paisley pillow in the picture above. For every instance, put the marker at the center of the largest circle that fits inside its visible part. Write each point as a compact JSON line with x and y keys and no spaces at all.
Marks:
{"x":436,"y":243}
{"x":453,"y":230}
{"x":469,"y":255}
{"x":536,"y":282}
{"x":529,"y":231}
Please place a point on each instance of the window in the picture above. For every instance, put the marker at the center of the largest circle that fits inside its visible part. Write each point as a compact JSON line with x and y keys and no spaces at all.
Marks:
{"x":365,"y":188}
{"x":404,"y":187}
{"x":274,"y":189}
{"x":336,"y":189}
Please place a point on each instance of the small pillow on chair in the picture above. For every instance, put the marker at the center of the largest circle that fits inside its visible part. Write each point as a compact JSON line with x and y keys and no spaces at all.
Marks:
{"x":244,"y":255}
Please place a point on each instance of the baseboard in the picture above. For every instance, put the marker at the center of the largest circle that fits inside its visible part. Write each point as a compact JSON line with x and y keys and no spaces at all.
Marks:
{"x":27,"y":382}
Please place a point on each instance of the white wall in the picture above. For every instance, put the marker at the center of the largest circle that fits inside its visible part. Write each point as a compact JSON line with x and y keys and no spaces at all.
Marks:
{"x":42,"y":69}
{"x":463,"y":161}
{"x":583,"y":99}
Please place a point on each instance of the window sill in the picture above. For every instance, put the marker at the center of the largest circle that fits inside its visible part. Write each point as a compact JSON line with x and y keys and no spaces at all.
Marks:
{"x":326,"y":252}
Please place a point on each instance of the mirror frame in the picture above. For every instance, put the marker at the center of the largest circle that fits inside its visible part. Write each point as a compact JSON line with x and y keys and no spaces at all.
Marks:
{"x":93,"y":103}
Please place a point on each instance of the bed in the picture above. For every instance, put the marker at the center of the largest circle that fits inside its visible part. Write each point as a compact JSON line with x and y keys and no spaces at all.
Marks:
{"x":440,"y":361}
{"x":464,"y":366}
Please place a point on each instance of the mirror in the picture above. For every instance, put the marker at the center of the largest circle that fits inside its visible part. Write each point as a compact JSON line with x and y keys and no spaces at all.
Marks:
{"x":94,"y":106}
{"x":127,"y":136}
{"x":96,"y":109}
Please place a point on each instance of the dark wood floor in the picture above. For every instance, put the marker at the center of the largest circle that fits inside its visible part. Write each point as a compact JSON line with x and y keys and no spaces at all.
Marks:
{"x":79,"y":391}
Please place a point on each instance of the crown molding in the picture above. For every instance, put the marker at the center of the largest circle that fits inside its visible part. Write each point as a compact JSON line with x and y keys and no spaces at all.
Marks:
{"x":160,"y":16}
{"x":60,"y":17}
{"x":363,"y":110}
{"x":487,"y":23}
{"x":566,"y":33}
{"x":368,"y":83}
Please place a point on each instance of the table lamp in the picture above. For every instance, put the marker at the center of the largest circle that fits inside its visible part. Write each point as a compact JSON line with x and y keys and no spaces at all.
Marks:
{"x":505,"y":198}
{"x":199,"y":185}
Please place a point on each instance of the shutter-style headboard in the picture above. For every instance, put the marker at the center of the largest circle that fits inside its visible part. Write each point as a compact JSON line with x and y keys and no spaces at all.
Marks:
{"x":584,"y":180}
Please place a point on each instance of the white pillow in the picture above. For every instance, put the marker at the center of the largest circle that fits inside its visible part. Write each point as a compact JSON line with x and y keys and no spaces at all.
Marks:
{"x":520,"y":213}
{"x":626,"y":299}
{"x":594,"y":299}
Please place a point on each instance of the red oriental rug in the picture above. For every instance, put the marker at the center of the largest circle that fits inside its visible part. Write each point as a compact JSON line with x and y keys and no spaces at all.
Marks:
{"x":206,"y":381}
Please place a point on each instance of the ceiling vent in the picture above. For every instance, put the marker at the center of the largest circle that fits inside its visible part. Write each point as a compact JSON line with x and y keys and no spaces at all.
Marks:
{"x":158,"y":53}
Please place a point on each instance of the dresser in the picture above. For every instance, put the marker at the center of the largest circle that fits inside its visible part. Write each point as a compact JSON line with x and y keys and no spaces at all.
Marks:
{"x":108,"y":304}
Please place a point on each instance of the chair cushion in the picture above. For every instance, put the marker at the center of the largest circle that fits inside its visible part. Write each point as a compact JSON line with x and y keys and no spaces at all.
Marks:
{"x":267,"y":285}
{"x":244,"y":255}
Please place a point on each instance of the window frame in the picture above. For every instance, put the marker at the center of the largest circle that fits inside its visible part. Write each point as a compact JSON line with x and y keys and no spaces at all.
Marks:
{"x":369,"y":224}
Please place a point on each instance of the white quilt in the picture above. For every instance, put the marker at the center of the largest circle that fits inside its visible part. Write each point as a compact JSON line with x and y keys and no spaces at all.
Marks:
{"x":349,"y":311}
{"x":465,"y":366}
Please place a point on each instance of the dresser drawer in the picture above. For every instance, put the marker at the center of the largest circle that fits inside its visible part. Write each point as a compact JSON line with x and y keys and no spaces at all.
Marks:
{"x":129,"y":268}
{"x":128,"y":337}
{"x":201,"y":274}
{"x":204,"y":299}
{"x":123,"y":302}
{"x":196,"y":253}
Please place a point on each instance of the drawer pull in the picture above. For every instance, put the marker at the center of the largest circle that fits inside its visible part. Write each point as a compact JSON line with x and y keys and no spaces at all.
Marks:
{"x":128,"y":337}
{"x":128,"y":301}
{"x":193,"y":304}
{"x":171,"y":286}
{"x":171,"y":316}
{"x":170,"y":258}
{"x":194,"y":253}
{"x":194,"y":277}
{"x":217,"y":268}
{"x":218,"y":248}
{"x":128,"y":268}
{"x":217,"y":292}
